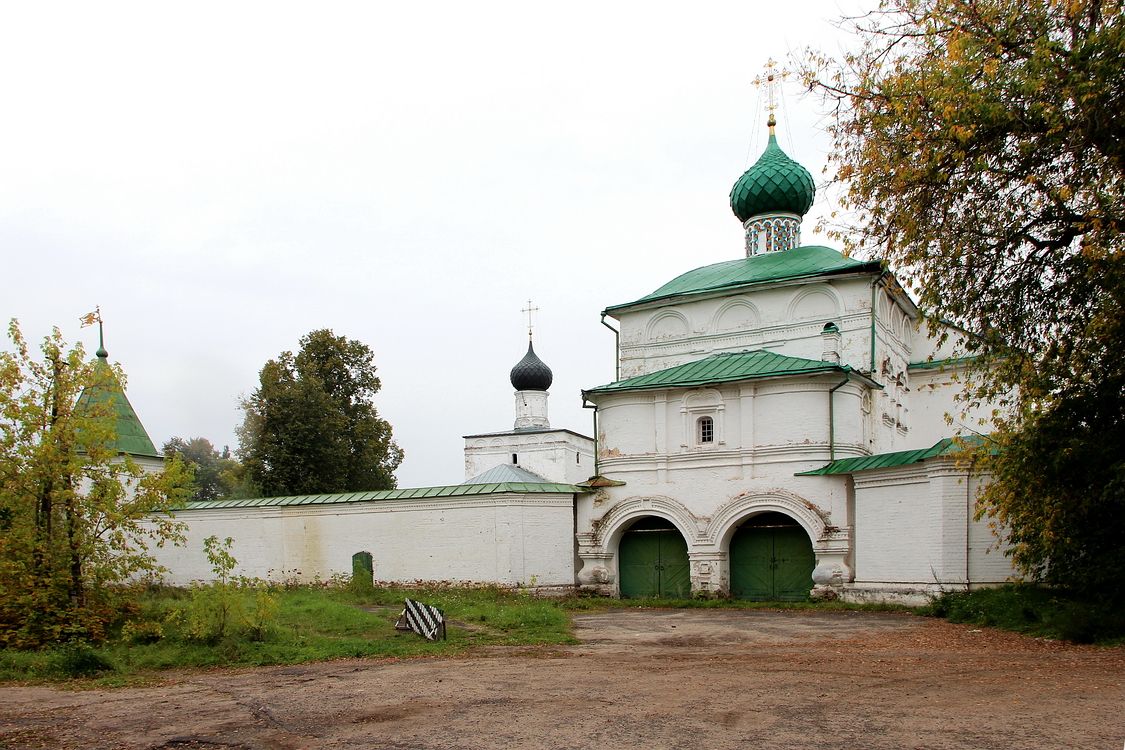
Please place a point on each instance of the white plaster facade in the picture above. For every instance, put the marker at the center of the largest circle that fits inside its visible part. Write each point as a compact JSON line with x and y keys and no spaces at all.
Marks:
{"x":556,"y":455}
{"x":896,"y":535}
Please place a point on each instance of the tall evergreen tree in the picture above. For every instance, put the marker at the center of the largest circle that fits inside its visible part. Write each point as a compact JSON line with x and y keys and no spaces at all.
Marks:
{"x":311,"y":425}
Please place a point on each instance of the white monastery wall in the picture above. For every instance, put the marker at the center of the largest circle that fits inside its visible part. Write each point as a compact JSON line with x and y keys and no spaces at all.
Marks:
{"x":895,"y":522}
{"x":915,"y":533}
{"x":988,"y":562}
{"x":504,"y":539}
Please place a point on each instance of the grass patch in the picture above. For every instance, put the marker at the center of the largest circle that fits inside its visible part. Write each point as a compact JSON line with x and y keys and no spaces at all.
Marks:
{"x":317,"y":623}
{"x":310,"y":624}
{"x":1034,"y":610}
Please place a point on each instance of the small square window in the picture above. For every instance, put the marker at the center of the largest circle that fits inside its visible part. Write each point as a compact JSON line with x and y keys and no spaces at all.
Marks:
{"x":706,"y":430}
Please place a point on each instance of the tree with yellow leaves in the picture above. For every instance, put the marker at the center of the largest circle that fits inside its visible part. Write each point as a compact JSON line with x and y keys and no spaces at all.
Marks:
{"x":981,"y":148}
{"x":76,"y":515}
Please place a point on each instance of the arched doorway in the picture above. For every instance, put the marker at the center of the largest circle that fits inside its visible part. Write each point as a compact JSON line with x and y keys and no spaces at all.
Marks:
{"x":652,"y":560}
{"x":771,"y":559}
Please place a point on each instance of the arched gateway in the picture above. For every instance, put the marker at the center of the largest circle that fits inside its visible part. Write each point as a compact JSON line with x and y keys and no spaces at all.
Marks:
{"x":653,"y":560}
{"x":771,"y":559}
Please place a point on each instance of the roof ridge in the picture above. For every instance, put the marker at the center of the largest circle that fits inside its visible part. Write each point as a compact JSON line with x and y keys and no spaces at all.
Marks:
{"x":406,"y":493}
{"x":707,"y":370}
{"x":796,"y":263}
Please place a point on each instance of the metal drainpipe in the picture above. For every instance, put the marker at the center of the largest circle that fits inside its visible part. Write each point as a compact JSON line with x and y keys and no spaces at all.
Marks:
{"x":968,"y":518}
{"x":617,"y":349}
{"x":832,"y":416}
{"x":874,"y":285}
{"x":595,"y":408}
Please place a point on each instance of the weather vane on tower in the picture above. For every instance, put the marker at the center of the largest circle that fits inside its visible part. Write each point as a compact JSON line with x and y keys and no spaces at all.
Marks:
{"x":529,"y":310}
{"x":96,"y":317}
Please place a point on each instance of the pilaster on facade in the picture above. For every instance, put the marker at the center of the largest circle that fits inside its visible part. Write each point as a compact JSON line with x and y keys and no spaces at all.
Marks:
{"x":709,"y":575}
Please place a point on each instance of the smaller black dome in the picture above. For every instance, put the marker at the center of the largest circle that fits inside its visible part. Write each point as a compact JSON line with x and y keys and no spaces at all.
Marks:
{"x":530,"y":374}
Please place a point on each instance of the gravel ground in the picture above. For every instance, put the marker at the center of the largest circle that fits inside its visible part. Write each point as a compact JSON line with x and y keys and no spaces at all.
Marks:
{"x":645,"y":679}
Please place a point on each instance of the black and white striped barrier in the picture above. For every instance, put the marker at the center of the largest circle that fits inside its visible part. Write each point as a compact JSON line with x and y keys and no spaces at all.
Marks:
{"x":426,"y":621}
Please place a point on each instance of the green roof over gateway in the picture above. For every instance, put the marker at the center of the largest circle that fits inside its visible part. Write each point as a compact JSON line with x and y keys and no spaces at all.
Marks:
{"x":943,"y":447}
{"x":726,"y":368}
{"x":800,"y":262}
{"x":412,"y":493}
{"x":130,"y":435}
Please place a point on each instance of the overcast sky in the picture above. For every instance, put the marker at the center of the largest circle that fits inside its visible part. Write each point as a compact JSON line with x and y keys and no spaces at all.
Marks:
{"x":222,"y":178}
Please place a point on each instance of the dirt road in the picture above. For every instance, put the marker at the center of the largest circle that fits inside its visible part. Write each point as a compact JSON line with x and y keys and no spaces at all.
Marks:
{"x":653,"y":679}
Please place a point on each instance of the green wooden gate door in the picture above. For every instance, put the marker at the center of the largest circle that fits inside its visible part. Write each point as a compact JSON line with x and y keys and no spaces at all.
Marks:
{"x":771,"y":559}
{"x":653,"y":562}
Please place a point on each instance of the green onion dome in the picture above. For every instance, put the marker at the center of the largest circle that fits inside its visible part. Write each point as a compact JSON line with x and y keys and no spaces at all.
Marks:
{"x":775,"y":184}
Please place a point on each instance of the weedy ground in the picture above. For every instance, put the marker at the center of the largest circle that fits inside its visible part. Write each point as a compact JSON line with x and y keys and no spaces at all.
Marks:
{"x":253,"y":626}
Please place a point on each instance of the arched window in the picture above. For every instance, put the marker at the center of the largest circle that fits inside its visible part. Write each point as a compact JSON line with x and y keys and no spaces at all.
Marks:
{"x":706,"y":430}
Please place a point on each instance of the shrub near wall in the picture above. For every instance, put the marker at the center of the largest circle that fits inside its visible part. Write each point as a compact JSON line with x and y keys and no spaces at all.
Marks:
{"x":1034,"y":610}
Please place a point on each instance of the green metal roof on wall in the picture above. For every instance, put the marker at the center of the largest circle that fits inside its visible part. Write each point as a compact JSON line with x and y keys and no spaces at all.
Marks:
{"x":800,"y":262}
{"x":411,"y":493}
{"x":725,"y":368}
{"x":130,"y":435}
{"x":943,"y":447}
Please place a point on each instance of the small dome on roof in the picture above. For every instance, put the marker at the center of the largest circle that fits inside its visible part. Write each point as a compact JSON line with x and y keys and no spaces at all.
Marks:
{"x":774,"y":184}
{"x":530,"y":374}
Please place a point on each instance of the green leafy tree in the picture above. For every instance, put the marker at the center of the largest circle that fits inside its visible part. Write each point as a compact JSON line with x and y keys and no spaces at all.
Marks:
{"x":76,"y":517}
{"x":981,"y":147}
{"x":217,"y":473}
{"x":311,"y":425}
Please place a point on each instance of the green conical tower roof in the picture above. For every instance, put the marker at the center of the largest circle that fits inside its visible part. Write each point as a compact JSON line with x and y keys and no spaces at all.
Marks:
{"x":774,"y":184}
{"x":131,"y":437}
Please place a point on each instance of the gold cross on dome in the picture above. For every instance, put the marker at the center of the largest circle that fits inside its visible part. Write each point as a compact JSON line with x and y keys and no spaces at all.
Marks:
{"x":771,"y":79}
{"x":529,"y":310}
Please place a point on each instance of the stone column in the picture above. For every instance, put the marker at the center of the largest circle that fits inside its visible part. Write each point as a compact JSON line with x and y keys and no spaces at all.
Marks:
{"x":596,"y":573}
{"x":832,"y":570}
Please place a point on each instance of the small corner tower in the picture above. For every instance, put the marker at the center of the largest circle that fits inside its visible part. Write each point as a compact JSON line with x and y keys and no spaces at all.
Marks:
{"x":130,"y":436}
{"x":772,"y":196}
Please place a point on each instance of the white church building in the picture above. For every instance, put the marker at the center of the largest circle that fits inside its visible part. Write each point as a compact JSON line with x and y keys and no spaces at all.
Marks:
{"x":776,"y":430}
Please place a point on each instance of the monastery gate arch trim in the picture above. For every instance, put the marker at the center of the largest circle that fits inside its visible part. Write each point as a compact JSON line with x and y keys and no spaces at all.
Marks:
{"x":617,"y":519}
{"x":726,"y":520}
